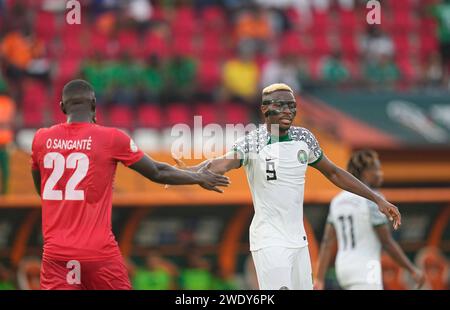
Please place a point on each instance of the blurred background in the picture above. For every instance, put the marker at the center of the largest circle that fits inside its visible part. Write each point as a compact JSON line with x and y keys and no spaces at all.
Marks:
{"x":154,"y":64}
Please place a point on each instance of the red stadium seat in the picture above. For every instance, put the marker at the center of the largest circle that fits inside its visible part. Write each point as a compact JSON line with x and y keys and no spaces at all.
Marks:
{"x":154,"y":43}
{"x":128,"y":42}
{"x":121,"y":116}
{"x":428,"y":45}
{"x":35,"y":102}
{"x":184,"y":22}
{"x":178,"y":113}
{"x":402,"y":22}
{"x":349,"y":46}
{"x":402,"y":46}
{"x":149,"y":116}
{"x":212,"y":47}
{"x":213,"y":19}
{"x":45,"y":25}
{"x":208,"y":74}
{"x":236,"y":114}
{"x":348,"y":22}
{"x":321,"y":46}
{"x":321,"y":23}
{"x":207,"y":111}
{"x":291,"y":42}
{"x":182,"y":46}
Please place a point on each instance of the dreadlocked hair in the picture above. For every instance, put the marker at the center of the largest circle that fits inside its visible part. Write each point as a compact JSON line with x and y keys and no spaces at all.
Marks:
{"x":360,"y":161}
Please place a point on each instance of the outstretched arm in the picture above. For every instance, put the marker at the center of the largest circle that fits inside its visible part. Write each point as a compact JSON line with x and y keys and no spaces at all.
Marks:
{"x":165,"y":174}
{"x":37,"y":180}
{"x":328,"y":249}
{"x":397,"y":254}
{"x":219,"y":165}
{"x":348,"y":182}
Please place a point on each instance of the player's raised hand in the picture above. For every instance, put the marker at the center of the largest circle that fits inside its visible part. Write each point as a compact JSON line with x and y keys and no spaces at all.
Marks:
{"x":391,"y":212}
{"x":210,"y":180}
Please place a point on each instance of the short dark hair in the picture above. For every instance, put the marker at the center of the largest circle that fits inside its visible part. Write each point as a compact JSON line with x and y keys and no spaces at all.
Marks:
{"x":77,"y":88}
{"x":360,"y":161}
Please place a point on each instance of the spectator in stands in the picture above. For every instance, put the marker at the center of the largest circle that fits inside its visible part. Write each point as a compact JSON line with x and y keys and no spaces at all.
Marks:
{"x":153,"y":80}
{"x":382,"y":73}
{"x":442,"y":14}
{"x":7,"y":113}
{"x":433,"y":71}
{"x":140,"y":11}
{"x":283,"y":69}
{"x":180,"y":73}
{"x":241,"y":75}
{"x":254,"y":24}
{"x":159,"y":274}
{"x":376,"y":44}
{"x":28,"y":273}
{"x":94,"y":71}
{"x":334,"y":70}
{"x":435,"y":266}
{"x":16,"y":54}
{"x":123,"y":79}
{"x":197,"y":275}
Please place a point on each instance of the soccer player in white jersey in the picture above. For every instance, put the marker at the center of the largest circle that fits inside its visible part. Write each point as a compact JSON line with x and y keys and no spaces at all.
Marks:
{"x":275,"y":162}
{"x":360,"y":231}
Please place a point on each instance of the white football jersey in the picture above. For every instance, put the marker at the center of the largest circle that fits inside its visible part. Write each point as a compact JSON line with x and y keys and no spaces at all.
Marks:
{"x":276,"y":175}
{"x":358,"y":258}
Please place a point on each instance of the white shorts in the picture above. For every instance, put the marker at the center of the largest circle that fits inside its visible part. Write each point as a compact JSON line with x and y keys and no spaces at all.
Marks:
{"x":364,"y":287}
{"x":283,"y":268}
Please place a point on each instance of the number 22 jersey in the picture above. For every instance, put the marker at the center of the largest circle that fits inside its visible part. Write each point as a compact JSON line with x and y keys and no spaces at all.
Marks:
{"x":77,"y":164}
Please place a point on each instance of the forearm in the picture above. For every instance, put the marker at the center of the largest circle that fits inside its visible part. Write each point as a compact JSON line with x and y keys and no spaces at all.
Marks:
{"x":348,"y":182}
{"x":398,"y":255}
{"x":167,"y":174}
{"x":325,"y":257}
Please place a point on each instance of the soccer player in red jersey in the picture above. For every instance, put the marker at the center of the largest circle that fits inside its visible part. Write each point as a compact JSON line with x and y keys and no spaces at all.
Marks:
{"x":73,"y":168}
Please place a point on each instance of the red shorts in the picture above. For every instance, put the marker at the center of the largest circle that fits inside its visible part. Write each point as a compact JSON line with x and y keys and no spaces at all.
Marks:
{"x":108,"y":274}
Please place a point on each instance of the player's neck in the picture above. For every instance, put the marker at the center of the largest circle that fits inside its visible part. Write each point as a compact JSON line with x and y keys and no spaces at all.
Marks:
{"x":80,"y":118}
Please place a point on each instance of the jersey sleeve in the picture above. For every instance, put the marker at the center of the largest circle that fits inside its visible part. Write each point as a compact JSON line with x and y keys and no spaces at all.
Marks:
{"x":124,"y":149}
{"x":241,"y":147}
{"x":315,"y":152}
{"x":34,"y":152}
{"x":376,"y":217}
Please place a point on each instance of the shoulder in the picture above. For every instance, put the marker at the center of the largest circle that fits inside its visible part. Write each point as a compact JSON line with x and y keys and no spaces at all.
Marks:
{"x":301,"y":134}
{"x":253,"y":141}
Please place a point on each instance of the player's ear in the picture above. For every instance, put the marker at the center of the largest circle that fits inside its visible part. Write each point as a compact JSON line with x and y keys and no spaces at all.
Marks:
{"x":61,"y":104}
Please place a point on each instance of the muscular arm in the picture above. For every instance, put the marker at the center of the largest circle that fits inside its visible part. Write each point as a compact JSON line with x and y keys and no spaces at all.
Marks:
{"x":328,"y":249}
{"x":219,"y":165}
{"x":165,"y":174}
{"x":37,"y":180}
{"x":348,"y":182}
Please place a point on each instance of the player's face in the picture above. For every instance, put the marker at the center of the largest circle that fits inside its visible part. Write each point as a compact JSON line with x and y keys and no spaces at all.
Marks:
{"x":282,"y":109}
{"x":374,"y":176}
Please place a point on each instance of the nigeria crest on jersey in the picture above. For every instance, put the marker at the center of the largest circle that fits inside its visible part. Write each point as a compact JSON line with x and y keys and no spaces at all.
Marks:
{"x":302,"y":157}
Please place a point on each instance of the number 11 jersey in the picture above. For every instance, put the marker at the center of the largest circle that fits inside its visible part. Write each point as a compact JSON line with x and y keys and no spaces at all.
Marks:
{"x":77,"y":164}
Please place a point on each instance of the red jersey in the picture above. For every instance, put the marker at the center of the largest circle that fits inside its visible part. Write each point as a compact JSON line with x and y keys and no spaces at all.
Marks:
{"x":77,"y":163}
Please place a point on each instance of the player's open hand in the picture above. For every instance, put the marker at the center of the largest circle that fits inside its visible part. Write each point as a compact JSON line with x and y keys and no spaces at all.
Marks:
{"x":210,"y":180}
{"x":391,"y":212}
